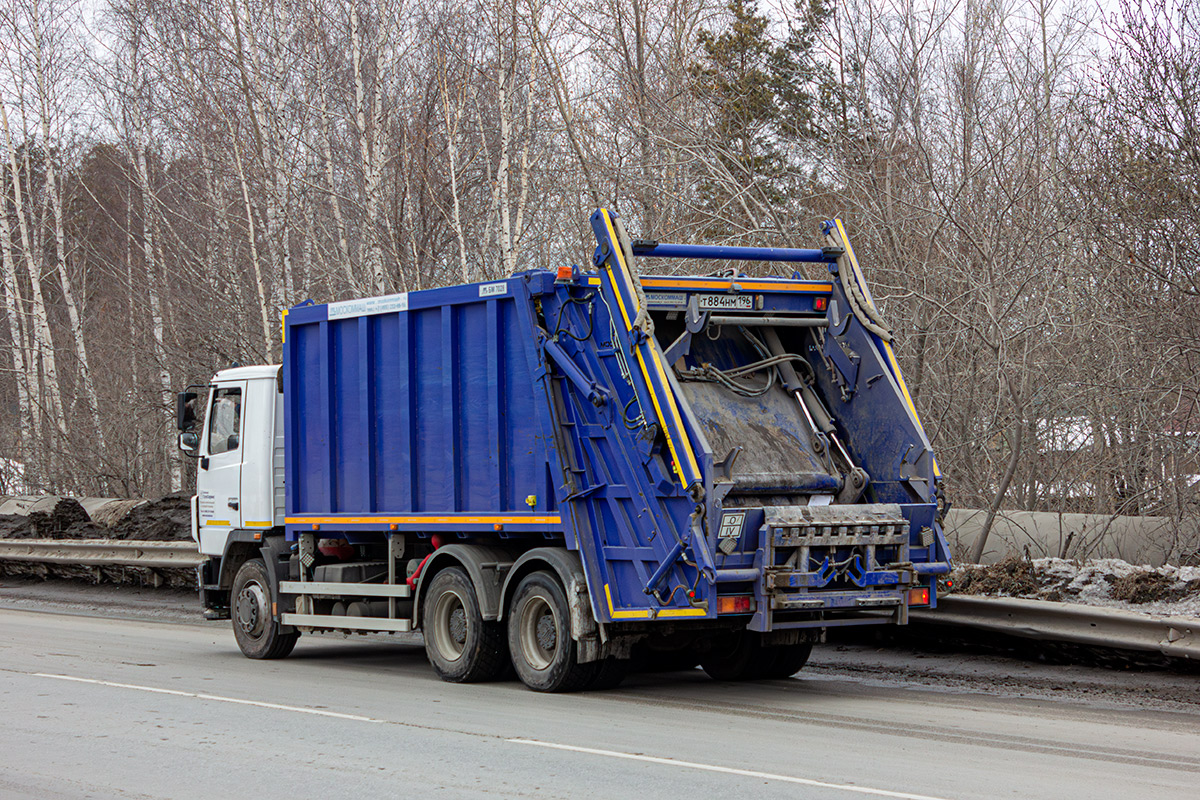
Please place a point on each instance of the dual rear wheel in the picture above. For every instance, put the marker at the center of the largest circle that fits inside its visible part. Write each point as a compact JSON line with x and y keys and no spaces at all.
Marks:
{"x":461,"y":645}
{"x":742,"y":657}
{"x":535,"y":637}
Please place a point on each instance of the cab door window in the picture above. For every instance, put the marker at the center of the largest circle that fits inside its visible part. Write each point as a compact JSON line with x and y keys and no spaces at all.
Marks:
{"x":225,"y":421}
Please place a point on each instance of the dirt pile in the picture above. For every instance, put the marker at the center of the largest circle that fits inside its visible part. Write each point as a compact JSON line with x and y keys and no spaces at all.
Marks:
{"x":66,"y":519}
{"x":1101,"y":582}
{"x":1012,"y":577}
{"x":1141,"y":587}
{"x":164,"y":520}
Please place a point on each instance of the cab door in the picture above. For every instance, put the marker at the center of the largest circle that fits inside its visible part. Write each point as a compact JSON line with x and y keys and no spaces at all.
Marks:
{"x":219,"y":482}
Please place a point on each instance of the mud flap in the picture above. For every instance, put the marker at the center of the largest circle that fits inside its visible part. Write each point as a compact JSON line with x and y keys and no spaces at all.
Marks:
{"x":277,"y":570}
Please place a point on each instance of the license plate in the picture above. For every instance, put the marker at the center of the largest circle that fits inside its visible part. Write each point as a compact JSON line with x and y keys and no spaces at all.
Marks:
{"x":726,"y":302}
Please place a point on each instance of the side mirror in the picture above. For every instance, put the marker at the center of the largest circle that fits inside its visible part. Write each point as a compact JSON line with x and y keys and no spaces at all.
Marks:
{"x":189,"y":441}
{"x":232,"y":442}
{"x":185,"y":414}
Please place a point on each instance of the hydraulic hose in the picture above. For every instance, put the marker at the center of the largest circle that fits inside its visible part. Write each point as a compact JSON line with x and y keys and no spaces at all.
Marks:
{"x":864,"y":310}
{"x":642,"y":322}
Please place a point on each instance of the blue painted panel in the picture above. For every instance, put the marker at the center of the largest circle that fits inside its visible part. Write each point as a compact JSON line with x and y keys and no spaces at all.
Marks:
{"x":475,"y":392}
{"x":429,"y":446}
{"x":391,"y":457}
{"x":310,"y":471}
{"x":349,"y":446}
{"x":430,"y":410}
{"x":525,"y":448}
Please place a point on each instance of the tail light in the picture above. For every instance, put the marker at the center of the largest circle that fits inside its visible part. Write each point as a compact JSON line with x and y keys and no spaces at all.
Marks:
{"x":735,"y":604}
{"x":918,"y":596}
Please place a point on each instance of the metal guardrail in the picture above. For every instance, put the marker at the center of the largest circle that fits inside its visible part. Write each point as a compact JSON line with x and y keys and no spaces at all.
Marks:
{"x":103,"y":552}
{"x":1177,"y":637}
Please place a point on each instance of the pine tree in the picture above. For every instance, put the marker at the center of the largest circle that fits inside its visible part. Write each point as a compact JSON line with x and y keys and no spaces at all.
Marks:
{"x":733,"y":79}
{"x":768,"y":107}
{"x":803,"y":82}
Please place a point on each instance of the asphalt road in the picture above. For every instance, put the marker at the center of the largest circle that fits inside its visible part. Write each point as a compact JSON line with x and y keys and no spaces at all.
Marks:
{"x":95,"y":706}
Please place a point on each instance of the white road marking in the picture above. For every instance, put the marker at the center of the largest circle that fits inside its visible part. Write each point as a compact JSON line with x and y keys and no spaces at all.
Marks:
{"x":218,"y":698}
{"x":671,"y":762}
{"x":747,"y":773}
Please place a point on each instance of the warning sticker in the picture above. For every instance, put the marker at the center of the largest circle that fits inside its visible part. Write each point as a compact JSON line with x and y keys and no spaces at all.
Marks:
{"x":731,"y":524}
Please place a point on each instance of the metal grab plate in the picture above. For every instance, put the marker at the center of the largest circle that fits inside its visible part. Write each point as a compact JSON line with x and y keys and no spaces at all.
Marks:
{"x":868,"y":514}
{"x":346,"y":623}
{"x":845,"y":537}
{"x":350,"y":589}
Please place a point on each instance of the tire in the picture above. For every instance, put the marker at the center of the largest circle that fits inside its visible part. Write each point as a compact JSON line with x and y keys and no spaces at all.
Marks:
{"x":254,"y":626}
{"x":647,"y":660}
{"x":539,"y":637}
{"x":610,"y":674}
{"x":785,"y":660}
{"x":735,"y":657}
{"x":460,"y":644}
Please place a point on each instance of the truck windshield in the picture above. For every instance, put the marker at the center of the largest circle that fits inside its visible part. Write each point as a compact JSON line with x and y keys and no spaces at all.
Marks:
{"x":226,"y":416}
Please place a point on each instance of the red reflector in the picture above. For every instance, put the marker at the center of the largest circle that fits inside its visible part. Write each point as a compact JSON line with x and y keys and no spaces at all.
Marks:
{"x":821,"y":303}
{"x":735,"y":604}
{"x":918,"y":597}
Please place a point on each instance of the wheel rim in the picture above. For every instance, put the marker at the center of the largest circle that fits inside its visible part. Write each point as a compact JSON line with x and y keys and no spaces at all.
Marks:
{"x":252,"y":609}
{"x":450,"y":626}
{"x":538,"y":629}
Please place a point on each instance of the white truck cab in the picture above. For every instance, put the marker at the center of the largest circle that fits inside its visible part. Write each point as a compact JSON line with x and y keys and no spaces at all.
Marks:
{"x":239,"y":482}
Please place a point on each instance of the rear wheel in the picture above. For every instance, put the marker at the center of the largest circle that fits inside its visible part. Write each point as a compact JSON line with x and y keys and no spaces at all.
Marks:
{"x":785,"y":660}
{"x":734,"y":657}
{"x":610,"y":674}
{"x":254,"y":626}
{"x":648,"y":660}
{"x":460,"y":644}
{"x":539,"y":637}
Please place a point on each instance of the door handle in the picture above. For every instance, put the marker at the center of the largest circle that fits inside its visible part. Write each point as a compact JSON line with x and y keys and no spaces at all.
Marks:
{"x":233,"y":504}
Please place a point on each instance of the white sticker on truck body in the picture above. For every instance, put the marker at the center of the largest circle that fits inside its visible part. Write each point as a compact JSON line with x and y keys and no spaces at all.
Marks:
{"x":493,"y":289}
{"x":667,"y":299}
{"x":369,"y":305}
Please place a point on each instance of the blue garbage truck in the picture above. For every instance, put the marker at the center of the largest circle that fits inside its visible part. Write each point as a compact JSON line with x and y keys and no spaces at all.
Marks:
{"x":568,"y":473}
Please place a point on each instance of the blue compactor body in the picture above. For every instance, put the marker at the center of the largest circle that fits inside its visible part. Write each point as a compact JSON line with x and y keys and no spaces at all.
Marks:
{"x":581,"y":471}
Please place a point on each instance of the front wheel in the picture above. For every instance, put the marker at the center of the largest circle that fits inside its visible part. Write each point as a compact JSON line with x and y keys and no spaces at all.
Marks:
{"x":254,"y":626}
{"x":539,"y":637}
